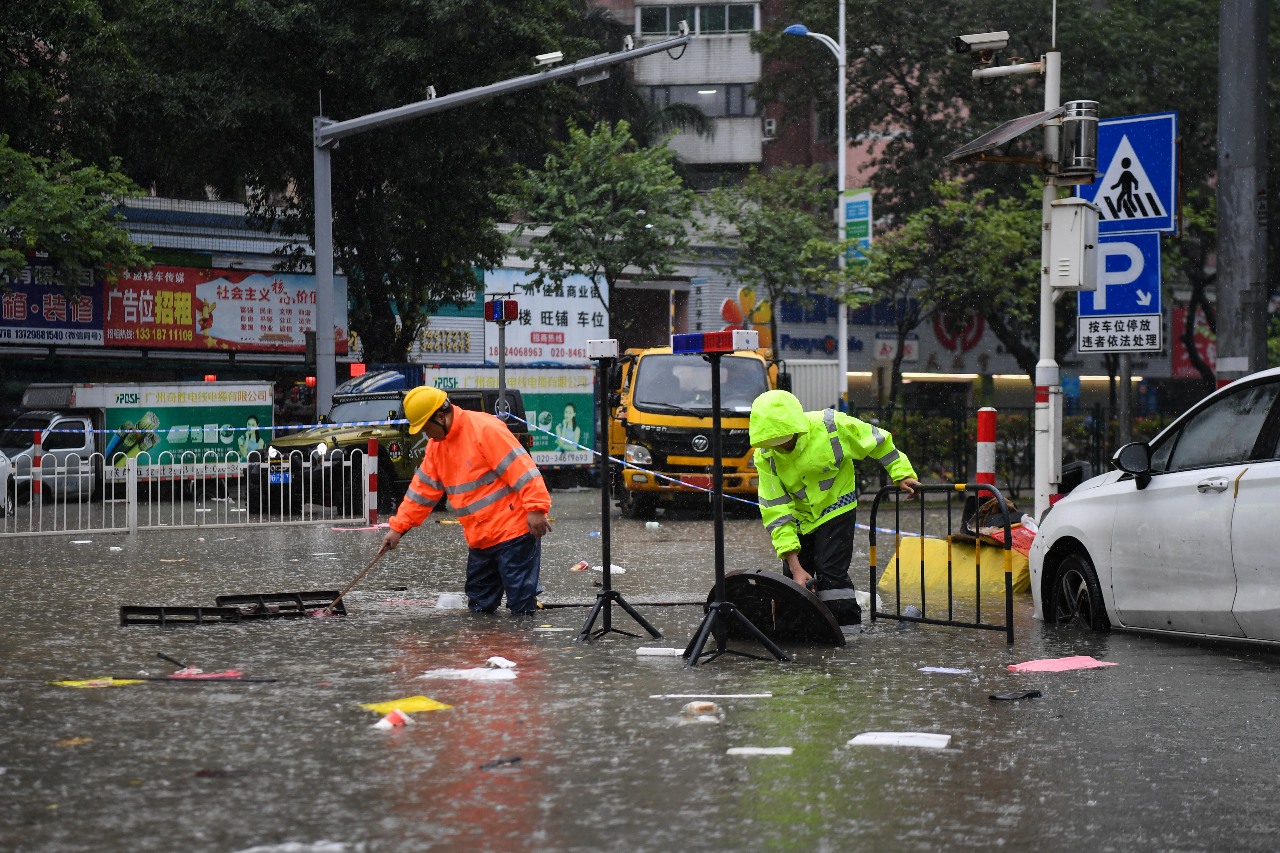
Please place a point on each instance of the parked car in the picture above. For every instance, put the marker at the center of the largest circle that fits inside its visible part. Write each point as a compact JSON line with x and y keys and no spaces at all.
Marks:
{"x":1182,"y":538}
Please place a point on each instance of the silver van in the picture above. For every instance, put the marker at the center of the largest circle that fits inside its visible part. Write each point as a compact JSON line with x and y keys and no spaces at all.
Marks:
{"x":66,"y":467}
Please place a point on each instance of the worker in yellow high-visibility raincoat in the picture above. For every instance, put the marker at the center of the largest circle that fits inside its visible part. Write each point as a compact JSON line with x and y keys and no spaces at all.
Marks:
{"x":808,"y":489}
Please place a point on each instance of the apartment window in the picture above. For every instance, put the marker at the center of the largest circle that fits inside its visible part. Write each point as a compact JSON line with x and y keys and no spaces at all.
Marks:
{"x":709,"y":20}
{"x":716,"y":100}
{"x":665,"y":20}
{"x":726,"y":18}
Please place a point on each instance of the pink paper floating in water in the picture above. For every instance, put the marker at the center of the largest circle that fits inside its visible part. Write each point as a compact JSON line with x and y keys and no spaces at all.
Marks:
{"x":1059,"y":664}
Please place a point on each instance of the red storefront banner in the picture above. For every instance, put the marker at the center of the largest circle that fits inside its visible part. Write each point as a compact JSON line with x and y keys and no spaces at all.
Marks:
{"x":189,"y":308}
{"x":1204,"y":340}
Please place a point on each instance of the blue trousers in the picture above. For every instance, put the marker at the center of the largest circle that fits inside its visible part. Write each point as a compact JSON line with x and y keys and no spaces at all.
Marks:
{"x":511,"y":567}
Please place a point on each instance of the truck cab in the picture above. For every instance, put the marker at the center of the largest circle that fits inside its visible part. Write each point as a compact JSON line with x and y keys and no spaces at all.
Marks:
{"x":66,"y":455}
{"x":660,"y":425}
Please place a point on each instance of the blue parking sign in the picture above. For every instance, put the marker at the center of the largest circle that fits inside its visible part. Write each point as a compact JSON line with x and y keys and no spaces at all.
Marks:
{"x":1138,"y":189}
{"x":1128,"y":277}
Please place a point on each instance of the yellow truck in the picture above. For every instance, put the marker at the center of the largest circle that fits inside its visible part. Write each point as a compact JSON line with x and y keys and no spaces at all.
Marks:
{"x":660,"y":419}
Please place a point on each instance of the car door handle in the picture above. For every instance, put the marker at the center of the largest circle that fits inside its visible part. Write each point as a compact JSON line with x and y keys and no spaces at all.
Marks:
{"x":1213,"y":484}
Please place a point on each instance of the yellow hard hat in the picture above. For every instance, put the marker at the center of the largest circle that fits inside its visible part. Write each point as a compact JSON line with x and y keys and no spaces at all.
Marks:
{"x":420,"y":404}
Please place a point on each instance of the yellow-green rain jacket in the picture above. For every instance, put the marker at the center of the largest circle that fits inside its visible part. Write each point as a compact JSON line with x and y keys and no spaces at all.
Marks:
{"x":816,"y":481}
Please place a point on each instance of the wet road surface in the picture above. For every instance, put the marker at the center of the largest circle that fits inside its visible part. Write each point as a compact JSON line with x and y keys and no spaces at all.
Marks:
{"x":1176,"y":748}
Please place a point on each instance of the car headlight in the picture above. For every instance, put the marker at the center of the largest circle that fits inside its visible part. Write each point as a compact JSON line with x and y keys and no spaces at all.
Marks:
{"x":638,"y":454}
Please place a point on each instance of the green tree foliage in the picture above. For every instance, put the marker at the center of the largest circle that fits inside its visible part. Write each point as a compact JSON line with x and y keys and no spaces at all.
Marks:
{"x":915,"y":100}
{"x":969,"y":253}
{"x":224,"y":98}
{"x":66,"y":211}
{"x":780,"y":226}
{"x":600,"y":206}
{"x":62,"y":65}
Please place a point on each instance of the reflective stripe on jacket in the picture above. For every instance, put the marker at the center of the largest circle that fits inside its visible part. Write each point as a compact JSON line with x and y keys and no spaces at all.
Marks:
{"x":491,"y":481}
{"x":816,"y":481}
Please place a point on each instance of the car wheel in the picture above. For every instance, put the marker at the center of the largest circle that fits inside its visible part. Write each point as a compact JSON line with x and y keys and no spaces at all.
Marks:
{"x":637,"y":506}
{"x":1075,"y":596}
{"x":9,"y":501}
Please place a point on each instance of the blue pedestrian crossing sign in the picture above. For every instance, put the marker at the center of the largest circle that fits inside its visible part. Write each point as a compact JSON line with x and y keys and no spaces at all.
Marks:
{"x":1138,"y":190}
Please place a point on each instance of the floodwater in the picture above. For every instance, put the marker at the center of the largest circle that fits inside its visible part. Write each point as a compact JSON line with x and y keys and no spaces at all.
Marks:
{"x":1176,"y":748}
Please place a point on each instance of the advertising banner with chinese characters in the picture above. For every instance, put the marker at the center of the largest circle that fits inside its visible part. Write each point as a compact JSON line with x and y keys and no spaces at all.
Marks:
{"x":231,"y":310}
{"x":36,"y":310}
{"x":555,"y":321}
{"x":182,"y":426}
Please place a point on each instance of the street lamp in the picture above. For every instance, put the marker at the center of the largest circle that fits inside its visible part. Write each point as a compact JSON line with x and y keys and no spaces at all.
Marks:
{"x":842,"y":313}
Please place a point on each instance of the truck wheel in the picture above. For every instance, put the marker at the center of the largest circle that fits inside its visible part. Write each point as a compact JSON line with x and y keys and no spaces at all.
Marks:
{"x":389,"y":494}
{"x":637,"y":506}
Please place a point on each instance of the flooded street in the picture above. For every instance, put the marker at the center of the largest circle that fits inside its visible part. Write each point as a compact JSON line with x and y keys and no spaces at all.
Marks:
{"x":1175,"y":748}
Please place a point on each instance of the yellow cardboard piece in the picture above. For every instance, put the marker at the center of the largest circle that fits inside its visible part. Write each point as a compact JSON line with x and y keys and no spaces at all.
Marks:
{"x":408,"y":705}
{"x":964,"y":562}
{"x":105,"y":681}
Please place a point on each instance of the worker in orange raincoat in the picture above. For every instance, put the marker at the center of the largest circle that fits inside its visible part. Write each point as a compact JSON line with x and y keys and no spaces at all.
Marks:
{"x":495,"y":489}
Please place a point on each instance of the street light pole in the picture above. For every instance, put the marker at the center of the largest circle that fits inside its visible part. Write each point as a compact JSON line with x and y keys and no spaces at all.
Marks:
{"x":1048,"y":416}
{"x":838,"y":49}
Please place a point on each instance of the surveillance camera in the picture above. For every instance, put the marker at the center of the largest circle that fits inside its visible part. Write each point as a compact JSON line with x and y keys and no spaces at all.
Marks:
{"x":548,"y":58}
{"x":682,"y":29}
{"x":980,"y":42}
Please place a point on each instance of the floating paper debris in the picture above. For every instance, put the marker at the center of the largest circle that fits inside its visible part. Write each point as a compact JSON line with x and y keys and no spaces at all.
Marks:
{"x":1059,"y":664}
{"x":409,"y":705}
{"x":921,"y":740}
{"x":106,"y":681}
{"x":478,"y":673}
{"x":759,"y":750}
{"x":945,"y":670}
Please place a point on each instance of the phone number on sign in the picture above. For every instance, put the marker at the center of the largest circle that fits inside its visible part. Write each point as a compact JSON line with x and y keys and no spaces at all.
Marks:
{"x":520,"y":352}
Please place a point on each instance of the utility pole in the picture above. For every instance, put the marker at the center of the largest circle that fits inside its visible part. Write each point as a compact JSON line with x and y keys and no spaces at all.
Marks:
{"x":1242,"y":188}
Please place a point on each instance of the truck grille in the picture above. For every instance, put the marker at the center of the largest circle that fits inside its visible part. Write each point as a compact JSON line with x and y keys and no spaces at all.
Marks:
{"x":665,"y":441}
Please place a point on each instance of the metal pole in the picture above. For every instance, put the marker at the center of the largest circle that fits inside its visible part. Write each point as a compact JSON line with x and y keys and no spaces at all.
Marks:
{"x":1048,"y":419}
{"x":842,"y":311}
{"x":326,"y":368}
{"x":1124,"y":400}
{"x":502,"y":368}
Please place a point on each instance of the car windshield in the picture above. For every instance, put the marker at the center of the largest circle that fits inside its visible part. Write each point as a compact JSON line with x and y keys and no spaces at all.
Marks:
{"x":362,"y":411}
{"x":20,"y":434}
{"x":1222,"y":433}
{"x":666,"y":383}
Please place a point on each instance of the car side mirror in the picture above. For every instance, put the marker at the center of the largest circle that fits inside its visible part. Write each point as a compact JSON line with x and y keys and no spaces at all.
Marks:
{"x":1135,"y":458}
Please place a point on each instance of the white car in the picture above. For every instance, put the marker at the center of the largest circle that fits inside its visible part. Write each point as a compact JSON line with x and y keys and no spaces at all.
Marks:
{"x":1185,"y":537}
{"x":7,"y":491}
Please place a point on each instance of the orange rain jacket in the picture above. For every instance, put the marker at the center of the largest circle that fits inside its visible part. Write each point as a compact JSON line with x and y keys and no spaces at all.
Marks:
{"x":490,"y":479}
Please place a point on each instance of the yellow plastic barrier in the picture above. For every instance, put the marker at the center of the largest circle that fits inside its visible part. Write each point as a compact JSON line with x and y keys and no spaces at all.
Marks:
{"x":964,"y":558}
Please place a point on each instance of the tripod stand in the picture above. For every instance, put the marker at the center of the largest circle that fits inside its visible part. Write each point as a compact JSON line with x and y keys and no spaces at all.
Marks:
{"x":720,"y":609}
{"x":607,"y":595}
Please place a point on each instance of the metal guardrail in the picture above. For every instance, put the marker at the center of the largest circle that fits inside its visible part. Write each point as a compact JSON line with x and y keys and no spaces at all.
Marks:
{"x":975,"y":490}
{"x":188,"y":490}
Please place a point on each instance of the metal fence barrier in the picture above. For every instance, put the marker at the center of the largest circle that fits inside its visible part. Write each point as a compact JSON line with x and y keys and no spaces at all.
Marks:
{"x":973,"y":493}
{"x":188,"y":490}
